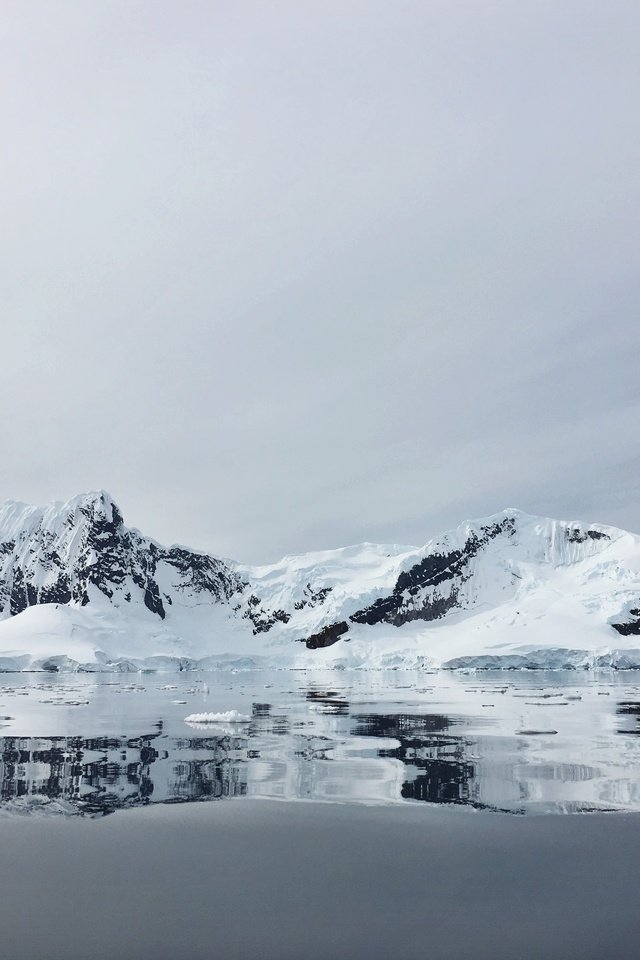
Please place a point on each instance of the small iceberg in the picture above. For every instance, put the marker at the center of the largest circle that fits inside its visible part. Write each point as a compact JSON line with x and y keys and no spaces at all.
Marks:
{"x":227,"y":716}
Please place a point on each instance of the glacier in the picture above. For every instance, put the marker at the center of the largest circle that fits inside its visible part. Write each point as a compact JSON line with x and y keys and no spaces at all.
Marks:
{"x":79,"y":590}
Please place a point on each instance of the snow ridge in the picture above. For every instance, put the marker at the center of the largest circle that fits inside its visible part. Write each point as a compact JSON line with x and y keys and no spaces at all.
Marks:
{"x":79,"y":589}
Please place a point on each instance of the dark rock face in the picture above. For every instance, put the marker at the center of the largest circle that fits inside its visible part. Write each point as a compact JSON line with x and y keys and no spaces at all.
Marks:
{"x":312,"y":598}
{"x":405,"y":604}
{"x":72,"y":554}
{"x":327,"y":636}
{"x":103,"y":558}
{"x":203,"y":574}
{"x":18,"y":597}
{"x":93,"y":549}
{"x":153,"y":600}
{"x":632,"y":626}
{"x":576,"y":535}
{"x":262,"y":619}
{"x":416,"y":595}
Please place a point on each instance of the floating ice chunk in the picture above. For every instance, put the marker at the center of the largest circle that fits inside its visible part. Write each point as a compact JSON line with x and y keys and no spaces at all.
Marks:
{"x":227,"y":716}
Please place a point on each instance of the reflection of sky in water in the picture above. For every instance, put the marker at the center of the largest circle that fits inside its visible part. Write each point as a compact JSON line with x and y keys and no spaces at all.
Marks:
{"x":516,"y":742}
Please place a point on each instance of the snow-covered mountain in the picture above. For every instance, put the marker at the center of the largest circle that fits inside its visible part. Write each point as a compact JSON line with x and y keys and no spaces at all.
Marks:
{"x":77,"y":587}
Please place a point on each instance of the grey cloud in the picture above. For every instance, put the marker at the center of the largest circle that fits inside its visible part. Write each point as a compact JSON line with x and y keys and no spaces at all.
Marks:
{"x":283,"y":276}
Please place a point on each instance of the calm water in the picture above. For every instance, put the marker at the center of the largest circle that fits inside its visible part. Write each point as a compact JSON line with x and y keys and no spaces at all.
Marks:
{"x":381,"y":860}
{"x":521,"y":743}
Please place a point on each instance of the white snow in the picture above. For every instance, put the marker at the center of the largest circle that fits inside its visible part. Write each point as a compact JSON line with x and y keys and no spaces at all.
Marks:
{"x":539,"y":597}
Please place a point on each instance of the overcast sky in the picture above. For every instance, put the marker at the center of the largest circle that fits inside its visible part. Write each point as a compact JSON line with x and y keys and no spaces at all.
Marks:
{"x":296,"y":274}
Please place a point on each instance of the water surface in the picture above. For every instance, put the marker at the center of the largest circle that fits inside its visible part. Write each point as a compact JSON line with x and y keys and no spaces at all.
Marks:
{"x":266,"y":880}
{"x":514,"y":742}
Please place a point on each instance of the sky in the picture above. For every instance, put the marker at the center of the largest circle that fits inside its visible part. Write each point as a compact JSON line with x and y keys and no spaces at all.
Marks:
{"x":283,"y":276}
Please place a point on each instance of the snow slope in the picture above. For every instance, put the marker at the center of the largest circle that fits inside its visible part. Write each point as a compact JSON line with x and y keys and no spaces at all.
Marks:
{"x":77,"y":587}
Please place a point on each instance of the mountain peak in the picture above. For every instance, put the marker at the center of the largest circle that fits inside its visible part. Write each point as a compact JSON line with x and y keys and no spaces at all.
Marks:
{"x":505,"y":567}
{"x":100,"y":504}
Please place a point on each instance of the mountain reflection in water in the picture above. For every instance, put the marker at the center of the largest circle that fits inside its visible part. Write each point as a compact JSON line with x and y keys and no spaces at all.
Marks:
{"x":525,"y":744}
{"x":352,"y":755}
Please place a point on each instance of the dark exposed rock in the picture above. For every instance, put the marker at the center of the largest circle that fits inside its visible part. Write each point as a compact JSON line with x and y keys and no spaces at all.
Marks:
{"x":263,"y":620}
{"x":576,"y":535}
{"x":632,"y":626}
{"x":405,"y":604}
{"x":58,"y":592}
{"x":23,"y":593}
{"x":18,"y":596}
{"x":437,"y":607}
{"x":87,"y":549}
{"x":327,"y":636}
{"x":415,"y":596}
{"x":152,"y":599}
{"x":312,"y":598}
{"x":105,"y":556}
{"x":204,"y":574}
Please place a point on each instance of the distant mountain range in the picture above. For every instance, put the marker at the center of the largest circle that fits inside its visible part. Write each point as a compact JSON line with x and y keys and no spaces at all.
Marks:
{"x":80,"y":590}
